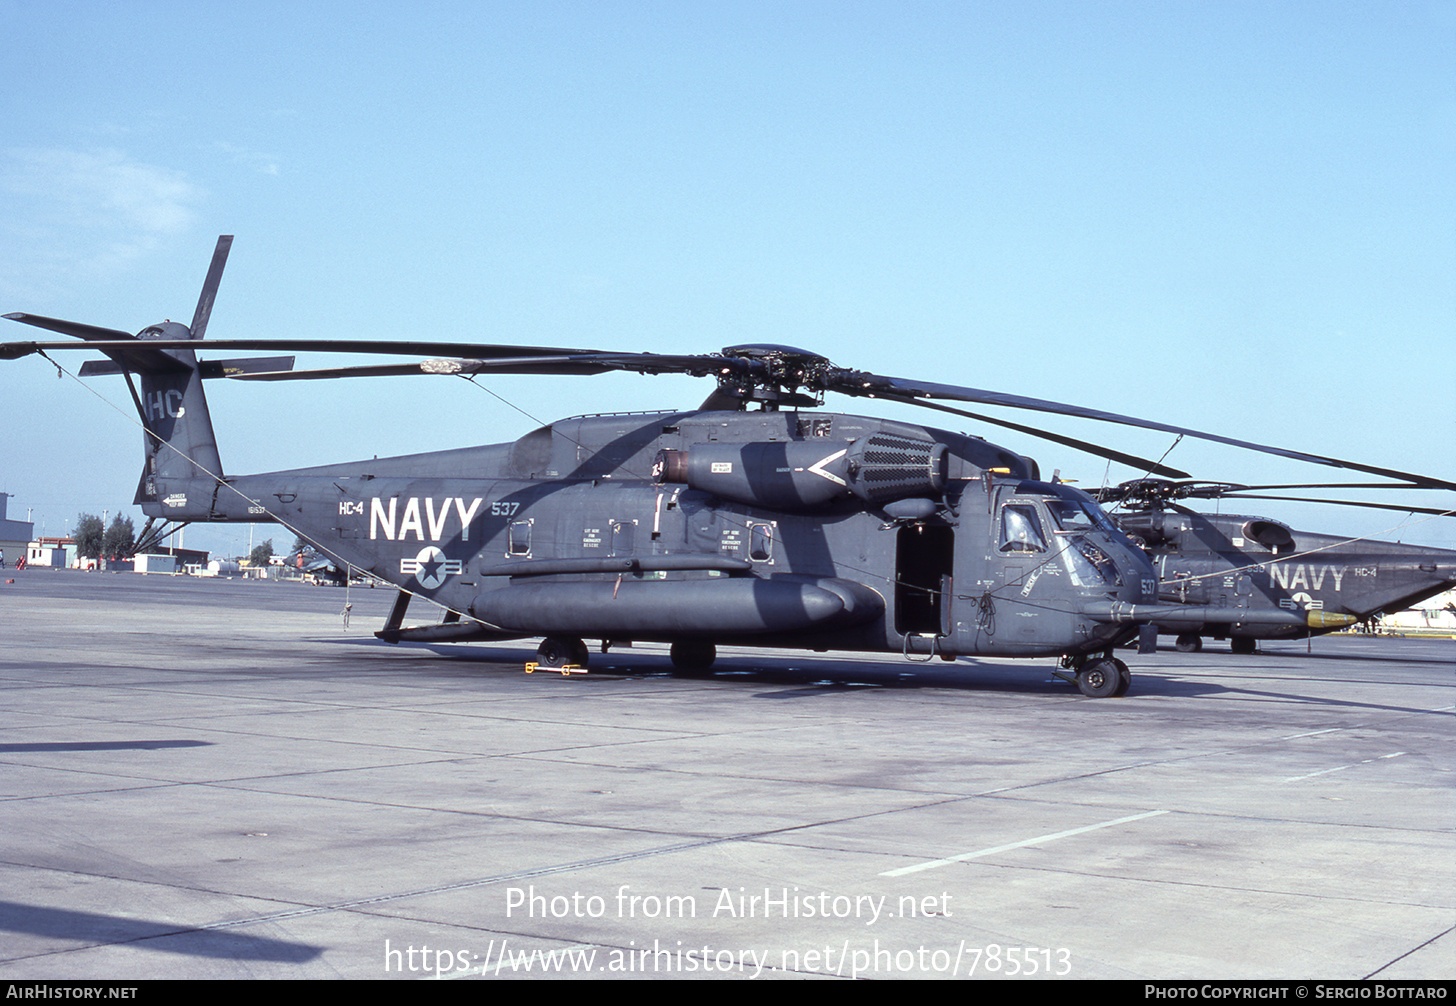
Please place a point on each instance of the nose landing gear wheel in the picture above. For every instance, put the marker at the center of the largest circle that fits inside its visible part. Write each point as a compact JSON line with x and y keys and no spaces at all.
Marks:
{"x":1189,"y":642}
{"x":1103,"y":678}
{"x":1124,"y":679}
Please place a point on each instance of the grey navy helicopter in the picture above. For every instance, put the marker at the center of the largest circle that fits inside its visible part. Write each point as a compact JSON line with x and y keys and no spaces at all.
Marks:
{"x":776,"y":526}
{"x":1258,"y":563}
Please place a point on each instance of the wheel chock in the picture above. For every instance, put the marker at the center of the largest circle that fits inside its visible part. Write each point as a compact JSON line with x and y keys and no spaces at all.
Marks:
{"x":532,"y":666}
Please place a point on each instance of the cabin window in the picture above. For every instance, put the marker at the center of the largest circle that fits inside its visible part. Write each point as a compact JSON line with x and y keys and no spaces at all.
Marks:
{"x":518,"y":538}
{"x":624,"y":536}
{"x":1021,"y":529}
{"x":760,"y":542}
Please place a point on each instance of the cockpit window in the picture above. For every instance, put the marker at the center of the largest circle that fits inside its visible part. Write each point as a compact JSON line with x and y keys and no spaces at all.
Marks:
{"x":1072,"y":515}
{"x":1021,"y":529}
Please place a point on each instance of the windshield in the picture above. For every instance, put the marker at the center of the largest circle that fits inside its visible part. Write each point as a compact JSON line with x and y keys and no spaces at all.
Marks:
{"x":1072,"y":514}
{"x":1090,"y":566}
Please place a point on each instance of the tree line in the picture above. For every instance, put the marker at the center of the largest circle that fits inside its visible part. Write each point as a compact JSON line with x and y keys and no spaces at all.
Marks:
{"x":118,"y":541}
{"x":93,"y":541}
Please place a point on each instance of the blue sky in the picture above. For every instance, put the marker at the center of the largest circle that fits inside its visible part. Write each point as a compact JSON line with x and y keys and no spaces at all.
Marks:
{"x":1232,"y":216}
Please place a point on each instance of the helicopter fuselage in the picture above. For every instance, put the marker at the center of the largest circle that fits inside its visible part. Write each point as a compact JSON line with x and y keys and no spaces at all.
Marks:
{"x":813,"y":530}
{"x":1255,"y":564}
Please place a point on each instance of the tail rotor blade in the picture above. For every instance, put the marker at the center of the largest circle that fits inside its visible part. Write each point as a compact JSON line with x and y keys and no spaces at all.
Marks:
{"x":91,"y":333}
{"x":209,"y":286}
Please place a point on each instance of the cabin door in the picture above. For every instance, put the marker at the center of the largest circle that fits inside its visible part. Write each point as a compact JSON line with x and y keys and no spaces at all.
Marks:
{"x":923,"y":579}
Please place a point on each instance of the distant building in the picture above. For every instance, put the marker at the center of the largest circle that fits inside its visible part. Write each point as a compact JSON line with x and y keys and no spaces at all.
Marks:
{"x":184,"y":556}
{"x":15,"y":535}
{"x":145,"y":562}
{"x":55,"y":552}
{"x":218,"y":567}
{"x":1434,"y":616}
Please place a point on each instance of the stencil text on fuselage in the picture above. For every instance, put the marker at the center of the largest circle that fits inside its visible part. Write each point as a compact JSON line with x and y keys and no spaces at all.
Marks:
{"x":426,"y":519}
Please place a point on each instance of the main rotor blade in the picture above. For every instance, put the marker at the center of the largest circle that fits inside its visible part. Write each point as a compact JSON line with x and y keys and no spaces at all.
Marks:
{"x":1436,"y":511}
{"x":383,"y":370}
{"x":1193,"y":489}
{"x":206,"y":368}
{"x":1336,"y":485}
{"x":874,"y":385}
{"x":570,"y":359}
{"x":1102,"y":452}
{"x":131,"y":354}
{"x":119,"y":340}
{"x":209,"y":286}
{"x":460,"y":368}
{"x":553,"y":360}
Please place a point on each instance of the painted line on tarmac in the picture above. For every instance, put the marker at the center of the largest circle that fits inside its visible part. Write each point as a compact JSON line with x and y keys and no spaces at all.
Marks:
{"x":1341,"y":768}
{"x":963,"y":857}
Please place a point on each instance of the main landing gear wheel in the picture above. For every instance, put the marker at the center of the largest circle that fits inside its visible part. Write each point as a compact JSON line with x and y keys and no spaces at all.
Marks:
{"x":558,"y":651}
{"x":1243,"y":644}
{"x":692,"y":658}
{"x":1189,"y":642}
{"x":1102,"y":679}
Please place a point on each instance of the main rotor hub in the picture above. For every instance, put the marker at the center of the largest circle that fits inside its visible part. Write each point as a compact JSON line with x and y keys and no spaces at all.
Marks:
{"x":1158,"y":494}
{"x":772,"y":374}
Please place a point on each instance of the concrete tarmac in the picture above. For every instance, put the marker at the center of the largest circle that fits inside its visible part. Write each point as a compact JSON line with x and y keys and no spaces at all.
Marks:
{"x":219,"y":779}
